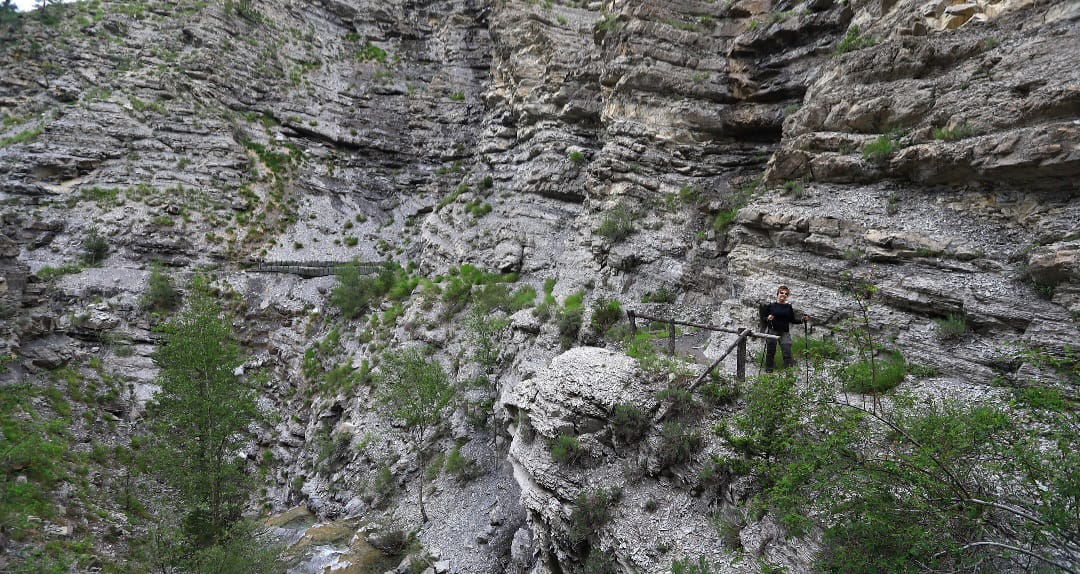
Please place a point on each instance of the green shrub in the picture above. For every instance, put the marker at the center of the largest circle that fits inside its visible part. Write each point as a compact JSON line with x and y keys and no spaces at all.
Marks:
{"x":95,"y":247}
{"x":617,"y":224}
{"x":681,"y":402}
{"x":569,"y":324}
{"x":570,"y":319}
{"x":853,"y":41}
{"x":491,"y":297}
{"x":718,"y":471}
{"x":717,"y":395}
{"x":599,"y":562}
{"x":371,"y":53}
{"x":592,"y":513}
{"x":629,"y":424}
{"x":276,"y":162}
{"x":873,"y":537}
{"x":576,"y":157}
{"x":808,"y":348}
{"x":461,"y":467}
{"x":724,"y":218}
{"x":606,"y":312}
{"x":678,"y":444}
{"x":161,"y":295}
{"x":771,"y":418}
{"x":660,"y":295}
{"x":566,"y":449}
{"x":356,"y":292}
{"x":384,"y":487}
{"x":952,"y":327}
{"x":544,"y":309}
{"x":478,"y":208}
{"x":877,"y":376}
{"x":486,"y":335}
{"x":880,"y":149}
{"x":342,"y":378}
{"x":458,"y":290}
{"x":688,"y":566}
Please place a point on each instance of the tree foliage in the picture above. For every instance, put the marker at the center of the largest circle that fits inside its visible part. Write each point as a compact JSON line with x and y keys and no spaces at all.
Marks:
{"x":909,"y":485}
{"x":199,"y":417}
{"x":356,"y":291}
{"x":416,"y":391}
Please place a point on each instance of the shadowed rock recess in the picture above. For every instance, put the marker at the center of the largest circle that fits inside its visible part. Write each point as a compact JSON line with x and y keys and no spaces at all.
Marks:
{"x":679,"y":157}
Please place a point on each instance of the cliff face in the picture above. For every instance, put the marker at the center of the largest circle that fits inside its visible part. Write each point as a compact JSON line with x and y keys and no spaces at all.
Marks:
{"x":933,"y":147}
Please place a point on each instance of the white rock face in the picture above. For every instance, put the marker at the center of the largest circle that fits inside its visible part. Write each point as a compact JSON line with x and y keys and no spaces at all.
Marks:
{"x":507,"y":135}
{"x":655,"y":518}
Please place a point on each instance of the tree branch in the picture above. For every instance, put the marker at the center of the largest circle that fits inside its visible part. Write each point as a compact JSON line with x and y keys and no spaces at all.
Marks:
{"x":1005,"y":507}
{"x":956,"y":483}
{"x":1034,"y":555}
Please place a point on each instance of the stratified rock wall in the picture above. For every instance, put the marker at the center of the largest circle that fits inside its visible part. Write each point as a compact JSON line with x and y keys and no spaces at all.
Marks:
{"x":620,"y":148}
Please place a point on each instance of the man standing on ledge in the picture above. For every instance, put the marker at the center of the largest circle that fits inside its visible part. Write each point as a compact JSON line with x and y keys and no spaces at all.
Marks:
{"x":781,"y":317}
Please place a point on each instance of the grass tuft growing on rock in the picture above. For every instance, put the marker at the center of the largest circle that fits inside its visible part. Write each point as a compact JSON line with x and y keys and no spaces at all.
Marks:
{"x":566,"y":449}
{"x":952,"y":327}
{"x":629,"y":424}
{"x":617,"y":224}
{"x":880,"y":149}
{"x":954,"y":134}
{"x":874,"y":376}
{"x":854,"y":40}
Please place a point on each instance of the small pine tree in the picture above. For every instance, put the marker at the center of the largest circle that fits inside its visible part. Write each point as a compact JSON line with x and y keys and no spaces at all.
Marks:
{"x":95,"y":247}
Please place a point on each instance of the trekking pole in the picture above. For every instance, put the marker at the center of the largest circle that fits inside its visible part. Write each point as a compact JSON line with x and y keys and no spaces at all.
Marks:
{"x":765,"y":348}
{"x":806,"y":350}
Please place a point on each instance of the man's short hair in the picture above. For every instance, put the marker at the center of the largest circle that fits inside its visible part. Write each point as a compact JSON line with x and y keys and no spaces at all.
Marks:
{"x":783,"y":288}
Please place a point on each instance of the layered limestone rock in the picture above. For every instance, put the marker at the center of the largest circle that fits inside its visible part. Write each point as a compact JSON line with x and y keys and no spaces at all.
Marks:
{"x":900,"y":108}
{"x":704,"y":150}
{"x":658,"y":509}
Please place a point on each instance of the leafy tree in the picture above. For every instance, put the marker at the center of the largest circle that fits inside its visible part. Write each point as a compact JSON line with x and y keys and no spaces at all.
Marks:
{"x":199,"y":417}
{"x":485,"y":332}
{"x":416,"y":391}
{"x":9,"y":17}
{"x":914,"y":486}
{"x":240,"y":552}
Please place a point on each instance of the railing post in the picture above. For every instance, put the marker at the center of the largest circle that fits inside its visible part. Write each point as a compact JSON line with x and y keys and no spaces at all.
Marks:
{"x":740,"y":361}
{"x":671,"y":338}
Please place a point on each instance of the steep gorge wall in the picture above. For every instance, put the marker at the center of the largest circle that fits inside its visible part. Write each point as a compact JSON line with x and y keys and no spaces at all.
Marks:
{"x":202,"y":137}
